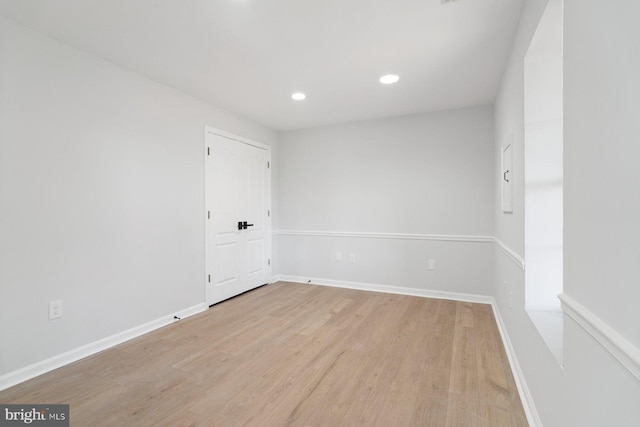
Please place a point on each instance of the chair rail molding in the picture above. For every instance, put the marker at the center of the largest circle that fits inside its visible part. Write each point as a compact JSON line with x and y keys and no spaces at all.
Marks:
{"x":612,"y":341}
{"x":510,"y":253}
{"x":401,"y":236}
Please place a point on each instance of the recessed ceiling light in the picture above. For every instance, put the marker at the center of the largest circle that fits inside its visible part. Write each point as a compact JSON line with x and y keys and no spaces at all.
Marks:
{"x":389,"y":79}
{"x":298,"y":96}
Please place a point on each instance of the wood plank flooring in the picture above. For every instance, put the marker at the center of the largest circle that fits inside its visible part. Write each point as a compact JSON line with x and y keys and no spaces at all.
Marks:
{"x":298,"y":355}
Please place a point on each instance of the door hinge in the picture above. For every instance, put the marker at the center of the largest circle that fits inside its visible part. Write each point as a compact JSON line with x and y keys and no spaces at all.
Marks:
{"x":269,"y":261}
{"x":209,"y":279}
{"x":268,"y":165}
{"x":208,"y":151}
{"x":268,"y":213}
{"x":208,"y":214}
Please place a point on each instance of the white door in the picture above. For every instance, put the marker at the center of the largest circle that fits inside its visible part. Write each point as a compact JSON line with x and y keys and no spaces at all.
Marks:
{"x":237,"y":193}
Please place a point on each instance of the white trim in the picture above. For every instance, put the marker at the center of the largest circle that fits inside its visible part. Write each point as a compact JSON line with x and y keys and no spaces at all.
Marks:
{"x":525,"y":395}
{"x":623,"y":350}
{"x":209,"y":129}
{"x":510,"y":253}
{"x":402,"y":236}
{"x":456,"y":296}
{"x":44,"y":366}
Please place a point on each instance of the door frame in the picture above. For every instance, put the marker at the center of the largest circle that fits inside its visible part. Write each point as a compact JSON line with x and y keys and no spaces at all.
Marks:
{"x":207,"y":203}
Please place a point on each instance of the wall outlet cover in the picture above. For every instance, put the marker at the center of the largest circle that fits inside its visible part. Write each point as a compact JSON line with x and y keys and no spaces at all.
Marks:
{"x":55,"y":309}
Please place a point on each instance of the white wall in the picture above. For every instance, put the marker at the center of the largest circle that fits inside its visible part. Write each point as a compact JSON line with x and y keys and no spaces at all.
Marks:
{"x":601,"y":239}
{"x":602,"y":148}
{"x":427,"y":174}
{"x":101,"y":196}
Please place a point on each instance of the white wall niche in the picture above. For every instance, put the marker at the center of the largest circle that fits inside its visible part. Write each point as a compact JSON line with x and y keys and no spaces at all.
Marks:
{"x":543,"y":153}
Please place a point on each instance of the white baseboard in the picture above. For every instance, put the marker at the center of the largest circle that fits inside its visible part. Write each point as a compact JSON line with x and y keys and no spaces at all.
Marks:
{"x":55,"y":362}
{"x":525,"y":395}
{"x":456,"y":296}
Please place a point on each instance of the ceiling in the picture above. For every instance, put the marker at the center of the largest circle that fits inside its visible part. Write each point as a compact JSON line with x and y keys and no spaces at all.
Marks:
{"x":249,"y":56}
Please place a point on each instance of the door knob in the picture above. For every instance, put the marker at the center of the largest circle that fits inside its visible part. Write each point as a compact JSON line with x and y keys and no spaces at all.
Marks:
{"x":245,"y":225}
{"x":240,"y":225}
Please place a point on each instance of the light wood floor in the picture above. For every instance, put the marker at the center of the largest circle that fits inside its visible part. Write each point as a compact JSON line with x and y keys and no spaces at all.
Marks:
{"x":303,"y":355}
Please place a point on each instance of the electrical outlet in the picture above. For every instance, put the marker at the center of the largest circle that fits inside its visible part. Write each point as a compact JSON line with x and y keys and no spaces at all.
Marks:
{"x":432,"y":264}
{"x":339,"y":256}
{"x":352,"y":258}
{"x":55,"y":309}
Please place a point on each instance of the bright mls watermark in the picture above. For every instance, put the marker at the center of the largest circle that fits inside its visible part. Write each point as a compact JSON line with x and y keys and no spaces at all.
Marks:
{"x":34,"y":415}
